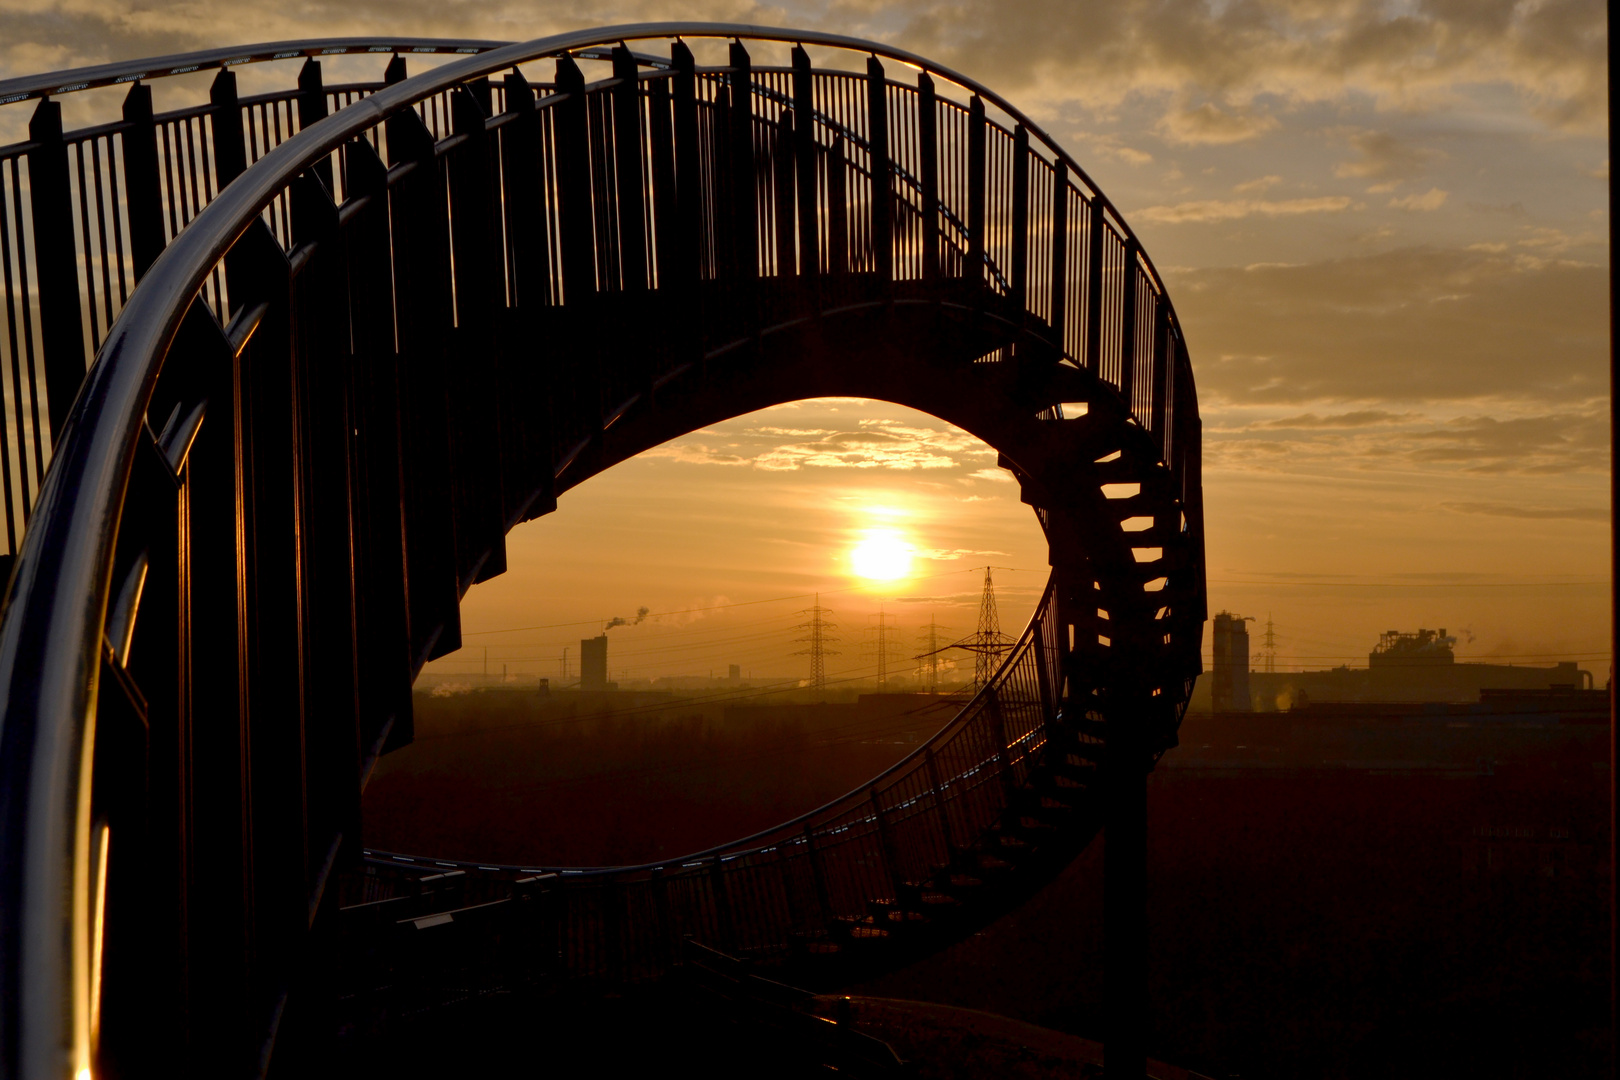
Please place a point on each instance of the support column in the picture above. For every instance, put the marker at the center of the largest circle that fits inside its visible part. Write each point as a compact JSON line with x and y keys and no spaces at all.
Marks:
{"x":1125,"y":953}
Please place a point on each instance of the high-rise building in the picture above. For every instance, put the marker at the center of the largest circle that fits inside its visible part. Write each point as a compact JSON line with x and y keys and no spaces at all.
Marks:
{"x":1230,"y":688}
{"x":593,"y":663}
{"x":734,"y":673}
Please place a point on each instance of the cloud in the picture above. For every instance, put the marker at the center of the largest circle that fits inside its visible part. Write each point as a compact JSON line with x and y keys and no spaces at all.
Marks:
{"x":1433,"y":199}
{"x":948,"y":554}
{"x":1361,"y":418}
{"x":1534,"y":444}
{"x":1539,"y":513}
{"x":1397,"y":327}
{"x":1207,"y":210}
{"x":1383,"y":157}
{"x":1207,"y":124}
{"x":876,"y":443}
{"x":1408,"y":56}
{"x":1258,"y":186}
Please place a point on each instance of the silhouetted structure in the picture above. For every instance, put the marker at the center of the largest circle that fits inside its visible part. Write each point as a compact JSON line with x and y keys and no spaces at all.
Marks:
{"x":1230,"y":679}
{"x":593,"y":665}
{"x":818,"y":635}
{"x":987,"y":644}
{"x":380,"y":343}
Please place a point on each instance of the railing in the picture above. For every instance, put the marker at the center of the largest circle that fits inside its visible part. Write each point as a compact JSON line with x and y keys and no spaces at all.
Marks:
{"x":111,"y":197}
{"x":211,"y":448}
{"x":757,"y":895}
{"x":124,"y":190}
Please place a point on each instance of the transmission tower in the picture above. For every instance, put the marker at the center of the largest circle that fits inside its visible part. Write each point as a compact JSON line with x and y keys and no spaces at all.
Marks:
{"x":1270,"y":646}
{"x":880,"y":647}
{"x":987,"y":644}
{"x":928,"y":659}
{"x":817,"y":635}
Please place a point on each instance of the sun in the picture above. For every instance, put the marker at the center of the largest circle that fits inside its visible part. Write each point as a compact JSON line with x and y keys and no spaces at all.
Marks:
{"x":881,"y":555}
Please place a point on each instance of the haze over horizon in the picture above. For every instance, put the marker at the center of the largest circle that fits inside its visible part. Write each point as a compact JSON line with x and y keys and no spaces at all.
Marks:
{"x":1383,"y":226}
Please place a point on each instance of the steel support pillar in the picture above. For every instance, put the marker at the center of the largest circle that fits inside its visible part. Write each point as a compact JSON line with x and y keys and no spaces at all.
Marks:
{"x":1125,"y":953}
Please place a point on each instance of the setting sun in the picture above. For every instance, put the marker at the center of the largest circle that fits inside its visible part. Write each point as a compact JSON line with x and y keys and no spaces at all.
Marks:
{"x":881,"y":555}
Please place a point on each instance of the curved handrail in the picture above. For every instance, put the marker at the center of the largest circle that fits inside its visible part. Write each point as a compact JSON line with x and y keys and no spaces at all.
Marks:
{"x":757,"y":842}
{"x":51,"y":637}
{"x":27,"y":87}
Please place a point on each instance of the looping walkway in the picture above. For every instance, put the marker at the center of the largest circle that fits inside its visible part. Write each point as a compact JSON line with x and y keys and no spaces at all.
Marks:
{"x":346,"y":337}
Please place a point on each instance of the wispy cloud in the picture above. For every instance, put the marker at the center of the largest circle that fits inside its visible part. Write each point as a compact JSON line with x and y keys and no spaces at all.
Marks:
{"x":1433,"y":199}
{"x":1539,"y":513}
{"x":1205,"y":210}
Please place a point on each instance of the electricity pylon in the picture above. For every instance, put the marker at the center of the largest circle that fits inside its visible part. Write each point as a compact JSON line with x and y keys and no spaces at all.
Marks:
{"x":928,"y":659}
{"x":817,"y":635}
{"x":987,"y":644}
{"x":880,"y":647}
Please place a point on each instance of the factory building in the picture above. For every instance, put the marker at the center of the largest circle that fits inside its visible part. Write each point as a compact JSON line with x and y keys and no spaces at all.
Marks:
{"x":593,"y":667}
{"x":1230,"y":686}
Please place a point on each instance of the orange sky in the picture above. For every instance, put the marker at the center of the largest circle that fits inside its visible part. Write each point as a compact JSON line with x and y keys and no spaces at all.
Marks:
{"x":1383,"y":225}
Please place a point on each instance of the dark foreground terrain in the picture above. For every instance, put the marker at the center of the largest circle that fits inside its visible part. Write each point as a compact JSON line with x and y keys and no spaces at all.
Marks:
{"x":1334,"y":896}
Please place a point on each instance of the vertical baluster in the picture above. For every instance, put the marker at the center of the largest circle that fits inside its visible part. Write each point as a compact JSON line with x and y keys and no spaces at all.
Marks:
{"x":529,"y":481}
{"x":312,"y":110}
{"x":786,"y":212}
{"x":664,"y":197}
{"x":687,"y":256}
{"x":805,"y":150}
{"x":928,"y":150}
{"x":941,"y":811}
{"x":627,"y":150}
{"x":724,"y":916}
{"x":976,"y":193}
{"x":1127,"y":326}
{"x":886,"y":846}
{"x":424,"y":313}
{"x":270,"y":464}
{"x":577,"y":221}
{"x":745,"y":208}
{"x":61,"y":325}
{"x":325,"y":513}
{"x":213,"y":664}
{"x":1018,"y":300}
{"x":882,"y":206}
{"x":1060,"y":256}
{"x":574,"y":184}
{"x":1161,"y":374}
{"x":225,"y":129}
{"x":475,"y":397}
{"x":837,"y":209}
{"x":818,"y":877}
{"x":380,"y":539}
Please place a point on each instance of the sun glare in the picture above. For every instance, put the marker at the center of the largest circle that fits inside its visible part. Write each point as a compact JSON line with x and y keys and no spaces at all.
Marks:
{"x":881,"y":555}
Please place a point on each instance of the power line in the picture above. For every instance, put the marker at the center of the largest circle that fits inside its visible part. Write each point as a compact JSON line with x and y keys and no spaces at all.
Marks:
{"x":745,"y":603}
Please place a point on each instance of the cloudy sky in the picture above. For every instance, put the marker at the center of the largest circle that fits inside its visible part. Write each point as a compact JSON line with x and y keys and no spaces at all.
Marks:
{"x":1383,"y":225}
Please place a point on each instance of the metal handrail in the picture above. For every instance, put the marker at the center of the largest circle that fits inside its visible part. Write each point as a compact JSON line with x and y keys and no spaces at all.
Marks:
{"x":52,"y":634}
{"x":71,"y":80}
{"x":754,"y":843}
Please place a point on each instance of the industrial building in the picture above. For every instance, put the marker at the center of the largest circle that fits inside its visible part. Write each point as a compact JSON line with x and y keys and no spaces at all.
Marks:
{"x":1230,"y":686}
{"x":593,"y":667}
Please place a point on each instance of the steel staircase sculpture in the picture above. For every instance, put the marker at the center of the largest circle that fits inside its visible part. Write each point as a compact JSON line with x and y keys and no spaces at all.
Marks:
{"x":377,"y":326}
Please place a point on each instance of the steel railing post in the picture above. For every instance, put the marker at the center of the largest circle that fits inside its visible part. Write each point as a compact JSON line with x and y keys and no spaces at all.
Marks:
{"x":61,"y":322}
{"x":928,"y":150}
{"x":1127,"y":327}
{"x":143,"y":186}
{"x":312,"y":109}
{"x":882,"y":205}
{"x":806,"y":149}
{"x":1060,"y":256}
{"x":1095,"y":229}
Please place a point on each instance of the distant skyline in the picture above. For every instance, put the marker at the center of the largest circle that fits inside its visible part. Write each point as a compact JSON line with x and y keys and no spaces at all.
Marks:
{"x":1383,"y":225}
